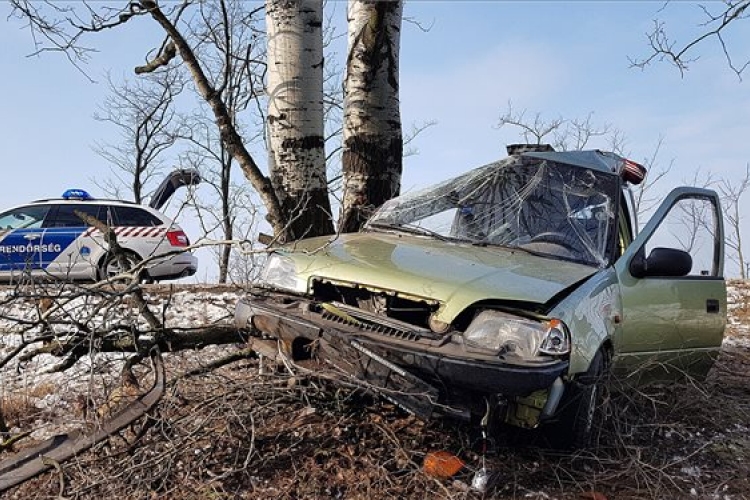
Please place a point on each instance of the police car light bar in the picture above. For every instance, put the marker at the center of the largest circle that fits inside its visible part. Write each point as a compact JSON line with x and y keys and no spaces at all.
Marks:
{"x":76,"y":194}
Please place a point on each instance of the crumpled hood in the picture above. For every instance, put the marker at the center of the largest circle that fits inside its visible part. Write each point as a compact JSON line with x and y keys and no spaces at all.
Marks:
{"x":455,"y":274}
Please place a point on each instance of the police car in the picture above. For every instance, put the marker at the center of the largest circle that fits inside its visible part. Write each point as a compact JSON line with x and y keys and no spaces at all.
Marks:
{"x":47,"y":238}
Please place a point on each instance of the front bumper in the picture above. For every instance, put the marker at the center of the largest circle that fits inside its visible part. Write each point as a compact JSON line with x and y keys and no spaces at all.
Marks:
{"x":440,"y":366}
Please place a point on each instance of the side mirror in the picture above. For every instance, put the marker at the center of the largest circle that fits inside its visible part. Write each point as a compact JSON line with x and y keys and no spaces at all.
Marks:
{"x":667,"y":262}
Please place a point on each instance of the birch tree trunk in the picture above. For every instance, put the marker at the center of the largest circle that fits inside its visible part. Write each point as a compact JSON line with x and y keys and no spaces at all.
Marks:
{"x":373,"y":142}
{"x":295,"y":115}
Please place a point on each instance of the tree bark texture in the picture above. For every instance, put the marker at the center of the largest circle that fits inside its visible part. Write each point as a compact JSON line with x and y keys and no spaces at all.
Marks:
{"x":295,"y":115}
{"x":373,"y":141}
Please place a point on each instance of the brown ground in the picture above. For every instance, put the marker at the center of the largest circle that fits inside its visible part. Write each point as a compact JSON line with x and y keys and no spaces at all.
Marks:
{"x":235,"y":433}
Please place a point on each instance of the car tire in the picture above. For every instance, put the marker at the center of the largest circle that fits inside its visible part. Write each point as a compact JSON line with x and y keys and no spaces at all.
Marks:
{"x":580,"y":414}
{"x":110,"y":266}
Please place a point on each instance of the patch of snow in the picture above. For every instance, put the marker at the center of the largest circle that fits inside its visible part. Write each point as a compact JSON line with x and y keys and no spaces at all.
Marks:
{"x":694,"y":472}
{"x":57,"y":395}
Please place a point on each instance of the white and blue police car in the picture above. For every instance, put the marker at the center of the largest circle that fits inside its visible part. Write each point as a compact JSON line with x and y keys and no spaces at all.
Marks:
{"x":47,"y":238}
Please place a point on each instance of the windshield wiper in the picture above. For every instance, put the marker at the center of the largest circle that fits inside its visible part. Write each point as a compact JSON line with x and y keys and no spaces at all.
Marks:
{"x":488,"y":243}
{"x":408,"y":227}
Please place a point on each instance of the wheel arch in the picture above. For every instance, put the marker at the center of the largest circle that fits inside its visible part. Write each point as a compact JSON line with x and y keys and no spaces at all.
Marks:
{"x":107,"y":254}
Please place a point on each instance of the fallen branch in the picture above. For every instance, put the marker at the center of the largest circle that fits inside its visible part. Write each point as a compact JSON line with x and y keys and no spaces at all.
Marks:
{"x":30,"y":463}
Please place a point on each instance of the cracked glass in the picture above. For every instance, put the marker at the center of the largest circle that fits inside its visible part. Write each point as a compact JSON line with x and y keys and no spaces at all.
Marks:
{"x":539,"y":206}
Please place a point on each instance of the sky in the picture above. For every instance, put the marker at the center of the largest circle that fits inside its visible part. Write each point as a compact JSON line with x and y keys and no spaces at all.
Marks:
{"x":461,"y":64}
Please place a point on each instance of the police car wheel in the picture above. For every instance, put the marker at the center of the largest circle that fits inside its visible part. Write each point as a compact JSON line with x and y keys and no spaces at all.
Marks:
{"x":111,"y":266}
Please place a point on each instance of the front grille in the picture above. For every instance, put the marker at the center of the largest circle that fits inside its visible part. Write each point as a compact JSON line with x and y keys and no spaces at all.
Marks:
{"x":378,"y":307}
{"x":371,"y":327}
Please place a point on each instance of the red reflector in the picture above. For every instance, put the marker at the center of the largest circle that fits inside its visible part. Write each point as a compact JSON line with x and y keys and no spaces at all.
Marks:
{"x":178,"y":238}
{"x":633,"y":172}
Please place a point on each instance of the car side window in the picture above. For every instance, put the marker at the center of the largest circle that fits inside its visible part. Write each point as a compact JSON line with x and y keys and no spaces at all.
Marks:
{"x":134,"y":216}
{"x":690,"y":225}
{"x":107,"y":215}
{"x":65,"y":215}
{"x":24,"y":217}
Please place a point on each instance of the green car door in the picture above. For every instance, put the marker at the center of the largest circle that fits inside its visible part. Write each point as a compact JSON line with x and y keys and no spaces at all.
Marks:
{"x":673,"y":291}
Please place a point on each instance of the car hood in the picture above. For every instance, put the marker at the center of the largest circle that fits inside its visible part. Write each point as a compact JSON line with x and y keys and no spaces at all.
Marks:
{"x":456,"y":275}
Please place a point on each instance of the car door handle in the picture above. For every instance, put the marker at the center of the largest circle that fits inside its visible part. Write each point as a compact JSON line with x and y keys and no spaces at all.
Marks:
{"x":31,"y":236}
{"x":712,"y":306}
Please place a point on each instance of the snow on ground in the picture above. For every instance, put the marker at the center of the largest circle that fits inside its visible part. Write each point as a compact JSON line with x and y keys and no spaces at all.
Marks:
{"x":738,"y":319}
{"x":57,"y":399}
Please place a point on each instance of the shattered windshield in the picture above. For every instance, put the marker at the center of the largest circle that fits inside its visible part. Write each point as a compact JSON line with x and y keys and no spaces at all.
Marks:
{"x":536,"y":205}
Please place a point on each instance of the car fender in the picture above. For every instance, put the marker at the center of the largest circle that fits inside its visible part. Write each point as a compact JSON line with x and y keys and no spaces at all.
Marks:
{"x":91,"y":247}
{"x":593,"y":314}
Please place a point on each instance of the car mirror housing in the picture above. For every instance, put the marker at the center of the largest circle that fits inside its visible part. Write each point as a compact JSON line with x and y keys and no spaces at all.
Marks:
{"x":667,"y":262}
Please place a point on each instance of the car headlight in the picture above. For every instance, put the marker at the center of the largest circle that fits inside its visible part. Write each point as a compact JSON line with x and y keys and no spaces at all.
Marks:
{"x":280,"y":272}
{"x":505,"y":333}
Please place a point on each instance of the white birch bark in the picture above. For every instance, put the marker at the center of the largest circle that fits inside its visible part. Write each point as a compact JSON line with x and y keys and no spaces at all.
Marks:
{"x":372,"y":136}
{"x":295,"y":114}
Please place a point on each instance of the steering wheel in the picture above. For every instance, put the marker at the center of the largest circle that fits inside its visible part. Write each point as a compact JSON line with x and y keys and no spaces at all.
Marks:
{"x":555,"y":238}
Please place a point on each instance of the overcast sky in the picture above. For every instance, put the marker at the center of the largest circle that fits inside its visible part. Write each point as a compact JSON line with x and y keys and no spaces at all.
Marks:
{"x":562,"y":59}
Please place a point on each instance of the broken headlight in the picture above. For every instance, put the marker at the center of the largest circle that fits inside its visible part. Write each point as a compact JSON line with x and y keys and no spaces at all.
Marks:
{"x":280,"y":272}
{"x":505,"y":333}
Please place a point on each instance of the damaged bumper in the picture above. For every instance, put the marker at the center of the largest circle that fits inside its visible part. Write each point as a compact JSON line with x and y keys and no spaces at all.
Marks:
{"x":417,"y":369}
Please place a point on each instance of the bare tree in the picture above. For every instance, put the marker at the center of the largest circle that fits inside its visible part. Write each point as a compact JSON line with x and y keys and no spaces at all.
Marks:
{"x":62,"y":28}
{"x":220,"y":211}
{"x":233,"y":142}
{"x":296,"y":200}
{"x":373,"y":142}
{"x":731,"y":194}
{"x":143,"y":111}
{"x":225,"y":210}
{"x":225,"y":68}
{"x":562,"y":134}
{"x":646,"y":194}
{"x":533,"y":131}
{"x":718,"y":22}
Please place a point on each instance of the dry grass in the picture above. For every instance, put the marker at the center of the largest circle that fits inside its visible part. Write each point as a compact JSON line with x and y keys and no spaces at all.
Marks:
{"x":236,"y":434}
{"x":20,"y":407}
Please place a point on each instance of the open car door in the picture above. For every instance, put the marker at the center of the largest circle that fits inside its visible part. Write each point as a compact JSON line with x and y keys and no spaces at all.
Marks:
{"x":673,"y":291}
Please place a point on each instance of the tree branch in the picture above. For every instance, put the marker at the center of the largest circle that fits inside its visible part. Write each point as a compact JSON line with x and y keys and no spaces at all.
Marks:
{"x":162,"y":59}
{"x":716,"y":25}
{"x":227,"y":130}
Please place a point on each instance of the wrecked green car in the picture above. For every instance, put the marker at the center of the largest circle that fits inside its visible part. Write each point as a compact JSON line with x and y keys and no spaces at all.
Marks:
{"x":508,"y":292}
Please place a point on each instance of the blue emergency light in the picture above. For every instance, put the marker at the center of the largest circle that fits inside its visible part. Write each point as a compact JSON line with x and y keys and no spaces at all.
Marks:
{"x":76,"y":194}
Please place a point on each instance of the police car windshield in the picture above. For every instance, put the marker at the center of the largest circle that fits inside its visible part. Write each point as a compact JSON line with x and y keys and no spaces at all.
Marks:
{"x":24,"y":217}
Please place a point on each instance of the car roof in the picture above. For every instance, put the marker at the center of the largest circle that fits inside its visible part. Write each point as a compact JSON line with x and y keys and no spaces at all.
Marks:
{"x":595,"y":159}
{"x":93,"y":201}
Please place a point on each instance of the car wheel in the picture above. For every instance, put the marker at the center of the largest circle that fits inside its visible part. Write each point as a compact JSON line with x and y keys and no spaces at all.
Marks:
{"x":111,"y":266}
{"x":580,"y":414}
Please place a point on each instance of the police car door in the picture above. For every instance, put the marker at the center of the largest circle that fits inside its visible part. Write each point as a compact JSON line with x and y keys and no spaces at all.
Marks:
{"x":20,"y":239}
{"x":68,"y":252}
